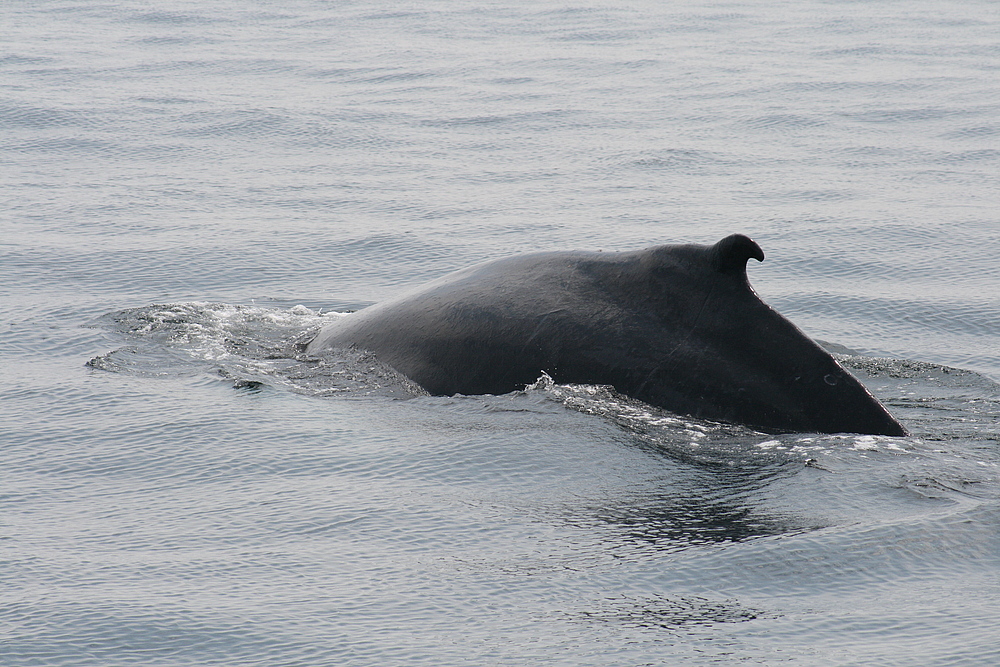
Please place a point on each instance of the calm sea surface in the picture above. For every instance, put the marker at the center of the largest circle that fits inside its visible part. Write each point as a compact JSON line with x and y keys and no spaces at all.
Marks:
{"x":186,"y":188}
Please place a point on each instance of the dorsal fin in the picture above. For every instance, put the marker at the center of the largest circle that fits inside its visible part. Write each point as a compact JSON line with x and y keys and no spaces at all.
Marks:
{"x":730,"y":255}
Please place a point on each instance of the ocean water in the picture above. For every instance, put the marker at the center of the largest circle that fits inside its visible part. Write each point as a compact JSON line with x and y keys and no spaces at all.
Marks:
{"x":189,"y":188}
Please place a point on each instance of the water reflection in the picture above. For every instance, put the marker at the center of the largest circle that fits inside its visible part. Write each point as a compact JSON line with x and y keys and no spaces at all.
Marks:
{"x":697,"y":507}
{"x":663,"y":612}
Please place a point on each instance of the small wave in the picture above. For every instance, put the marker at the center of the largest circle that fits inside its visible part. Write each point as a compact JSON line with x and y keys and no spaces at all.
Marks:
{"x":783,"y":122}
{"x":974,"y":132}
{"x":173,"y":18}
{"x":35,"y":117}
{"x":667,"y":613}
{"x":696,"y":441}
{"x":676,"y":159}
{"x":250,"y":346}
{"x":906,"y":368}
{"x":918,"y":114}
{"x":938,"y":487}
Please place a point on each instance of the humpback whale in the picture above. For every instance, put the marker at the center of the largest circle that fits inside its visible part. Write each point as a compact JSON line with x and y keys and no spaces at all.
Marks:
{"x":675,"y":326}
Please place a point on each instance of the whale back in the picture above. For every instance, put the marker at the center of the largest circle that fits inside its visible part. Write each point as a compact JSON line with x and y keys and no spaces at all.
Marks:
{"x":677,"y":326}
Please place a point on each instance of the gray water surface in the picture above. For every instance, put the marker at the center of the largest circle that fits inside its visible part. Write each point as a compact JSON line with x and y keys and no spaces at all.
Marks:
{"x":190,"y":187}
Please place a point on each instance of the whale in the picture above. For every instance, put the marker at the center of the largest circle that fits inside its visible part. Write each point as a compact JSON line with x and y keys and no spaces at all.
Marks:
{"x":676,"y":326}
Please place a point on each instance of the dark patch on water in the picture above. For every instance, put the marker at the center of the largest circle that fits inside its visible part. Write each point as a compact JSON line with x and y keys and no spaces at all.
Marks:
{"x":669,"y":613}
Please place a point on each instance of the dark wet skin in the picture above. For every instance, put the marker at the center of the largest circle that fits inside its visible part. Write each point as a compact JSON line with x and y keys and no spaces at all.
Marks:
{"x":676,"y":326}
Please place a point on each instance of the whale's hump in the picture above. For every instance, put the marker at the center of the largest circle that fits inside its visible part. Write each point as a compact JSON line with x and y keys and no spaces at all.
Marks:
{"x":730,"y":255}
{"x":676,"y":326}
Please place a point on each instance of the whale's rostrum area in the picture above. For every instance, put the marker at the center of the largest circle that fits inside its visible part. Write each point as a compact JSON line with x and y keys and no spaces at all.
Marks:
{"x":676,"y":326}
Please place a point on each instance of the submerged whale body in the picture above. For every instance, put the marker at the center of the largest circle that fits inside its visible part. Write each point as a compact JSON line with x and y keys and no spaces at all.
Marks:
{"x":676,"y":326}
